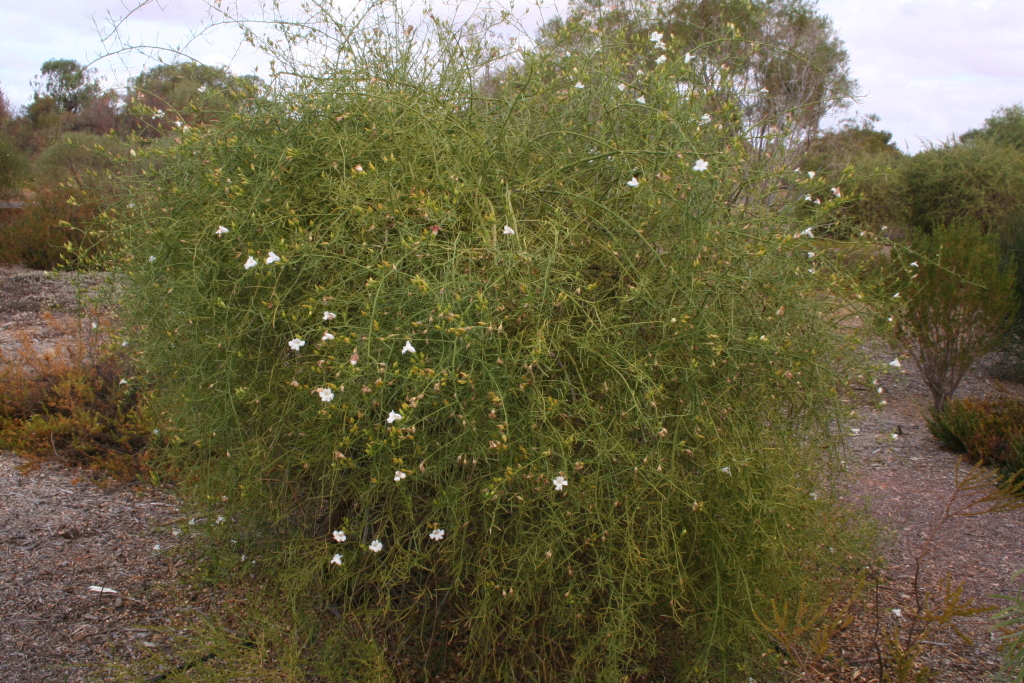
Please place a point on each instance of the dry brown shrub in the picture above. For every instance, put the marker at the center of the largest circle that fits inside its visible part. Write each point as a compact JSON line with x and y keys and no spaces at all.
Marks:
{"x":74,"y":399}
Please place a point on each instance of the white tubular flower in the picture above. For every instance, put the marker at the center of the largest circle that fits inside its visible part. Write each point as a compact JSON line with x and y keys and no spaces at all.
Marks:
{"x":354,"y":358}
{"x":633,"y":182}
{"x":336,"y":559}
{"x":296,"y":344}
{"x":393,"y":417}
{"x":329,"y":316}
{"x":642,"y":99}
{"x":250,"y":263}
{"x":326,"y":395}
{"x":701,"y":165}
{"x":579,"y":85}
{"x":687,"y":57}
{"x":152,"y":258}
{"x":895,"y":363}
{"x":661,"y":60}
{"x":811,"y":174}
{"x":221,"y":230}
{"x":807,"y":233}
{"x":408,"y":348}
{"x":622,"y":87}
{"x":437,"y":534}
{"x":507,"y":231}
{"x":400,"y":475}
{"x":376,"y":546}
{"x":656,"y":37}
{"x":560,"y":482}
{"x":272,"y":258}
{"x":339,"y":536}
{"x":726,"y":470}
{"x":327,"y":337}
{"x":836,"y":192}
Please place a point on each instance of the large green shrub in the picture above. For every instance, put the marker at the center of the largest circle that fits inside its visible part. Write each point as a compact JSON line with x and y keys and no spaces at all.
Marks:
{"x":959,"y":303}
{"x":80,"y":159}
{"x":981,"y":182}
{"x":570,"y":407}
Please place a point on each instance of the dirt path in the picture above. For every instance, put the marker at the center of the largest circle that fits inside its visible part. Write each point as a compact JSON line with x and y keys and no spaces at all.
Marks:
{"x":62,"y":539}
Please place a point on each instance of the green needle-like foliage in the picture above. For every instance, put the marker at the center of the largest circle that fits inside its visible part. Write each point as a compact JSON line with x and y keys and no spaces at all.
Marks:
{"x":662,"y":350}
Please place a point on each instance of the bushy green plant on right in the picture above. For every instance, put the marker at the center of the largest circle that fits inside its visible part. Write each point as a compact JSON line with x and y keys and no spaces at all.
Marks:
{"x":959,"y":302}
{"x":989,"y":431}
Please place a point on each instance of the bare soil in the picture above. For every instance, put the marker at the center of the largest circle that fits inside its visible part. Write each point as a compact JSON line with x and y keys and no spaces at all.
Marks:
{"x":61,"y":533}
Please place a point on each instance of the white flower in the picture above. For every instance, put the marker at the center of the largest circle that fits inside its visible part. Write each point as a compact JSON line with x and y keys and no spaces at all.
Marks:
{"x":885,"y":227}
{"x":661,"y":60}
{"x":408,"y":348}
{"x":175,"y":532}
{"x":726,"y":470}
{"x":633,"y":182}
{"x":811,"y":271}
{"x":687,"y":57}
{"x":836,"y":192}
{"x":560,"y":482}
{"x":220,"y":519}
{"x":376,"y":546}
{"x":810,"y":254}
{"x":339,"y":536}
{"x":913,"y":263}
{"x":152,"y":258}
{"x":808,"y":198}
{"x":811,"y":174}
{"x":250,"y":263}
{"x":296,"y":344}
{"x":132,"y":152}
{"x":817,"y":201}
{"x":706,"y":118}
{"x":895,"y":362}
{"x":359,"y":168}
{"x":579,"y":85}
{"x":336,"y":559}
{"x":507,"y":231}
{"x":221,"y":230}
{"x":272,"y":258}
{"x":400,"y":475}
{"x":102,"y":589}
{"x":656,"y":37}
{"x":327,"y":337}
{"x":881,"y":403}
{"x":807,"y":233}
{"x":622,"y":87}
{"x":897,"y":612}
{"x":814,"y":495}
{"x":326,"y":395}
{"x":642,"y":99}
{"x":393,"y":417}
{"x":329,"y":316}
{"x":855,"y":430}
{"x":123,"y":381}
{"x":896,"y":295}
{"x":895,"y":437}
{"x":437,"y":534}
{"x":354,"y":358}
{"x":701,"y":165}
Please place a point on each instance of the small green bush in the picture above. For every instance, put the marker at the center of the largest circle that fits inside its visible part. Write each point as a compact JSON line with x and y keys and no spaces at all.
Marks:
{"x":571,"y":407}
{"x":988,"y":431}
{"x":959,"y":303}
{"x":54,"y":229}
{"x":14,"y":167}
{"x":80,"y":160}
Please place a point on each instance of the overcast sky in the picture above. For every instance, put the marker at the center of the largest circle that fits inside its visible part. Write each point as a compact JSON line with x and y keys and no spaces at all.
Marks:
{"x":928,"y":68}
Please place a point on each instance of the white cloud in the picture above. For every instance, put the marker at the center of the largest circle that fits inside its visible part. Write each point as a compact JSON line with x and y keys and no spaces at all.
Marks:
{"x":931,"y":68}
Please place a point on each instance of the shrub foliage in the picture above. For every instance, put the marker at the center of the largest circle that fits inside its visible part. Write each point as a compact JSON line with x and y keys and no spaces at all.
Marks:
{"x":959,"y":304}
{"x":988,"y":431}
{"x":432,"y":306}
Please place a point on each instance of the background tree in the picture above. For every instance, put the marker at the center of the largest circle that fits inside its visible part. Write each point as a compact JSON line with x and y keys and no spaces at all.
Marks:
{"x":70,"y":85}
{"x":1005,"y":128}
{"x":774,"y":69}
{"x":186,"y":92}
